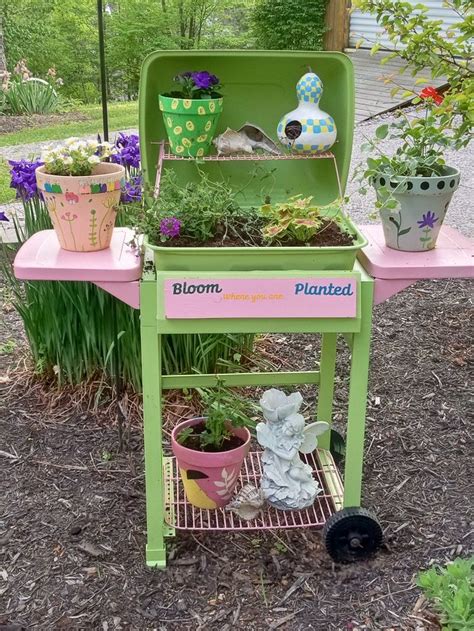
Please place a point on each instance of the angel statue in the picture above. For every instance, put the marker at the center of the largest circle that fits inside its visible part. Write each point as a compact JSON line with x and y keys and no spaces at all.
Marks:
{"x":287,"y":483}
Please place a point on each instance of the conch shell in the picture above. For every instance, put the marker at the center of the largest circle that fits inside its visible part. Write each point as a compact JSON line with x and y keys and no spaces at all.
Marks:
{"x":247,"y":503}
{"x":245,"y":140}
{"x":231,"y":142}
{"x":258,"y":138}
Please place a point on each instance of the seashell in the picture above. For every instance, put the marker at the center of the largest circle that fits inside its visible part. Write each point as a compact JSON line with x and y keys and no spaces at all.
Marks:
{"x":231,"y":142}
{"x":247,"y":503}
{"x":258,"y":139}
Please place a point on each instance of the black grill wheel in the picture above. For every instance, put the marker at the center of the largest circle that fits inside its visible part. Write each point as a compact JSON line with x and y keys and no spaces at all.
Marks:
{"x":352,"y":534}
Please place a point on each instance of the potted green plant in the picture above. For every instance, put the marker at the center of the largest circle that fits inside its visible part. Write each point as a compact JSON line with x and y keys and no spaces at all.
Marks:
{"x":81,"y":192}
{"x":201,"y":226}
{"x":414,"y":186}
{"x":190,"y":114}
{"x":210,"y":450}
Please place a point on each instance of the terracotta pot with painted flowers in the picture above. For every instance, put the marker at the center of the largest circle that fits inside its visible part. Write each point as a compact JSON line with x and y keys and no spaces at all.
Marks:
{"x":414,"y":186}
{"x":81,"y":192}
{"x":210,"y":450}
{"x":190,"y":115}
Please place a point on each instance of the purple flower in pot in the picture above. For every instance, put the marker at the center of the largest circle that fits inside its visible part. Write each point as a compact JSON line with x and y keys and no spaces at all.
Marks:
{"x":170,"y":227}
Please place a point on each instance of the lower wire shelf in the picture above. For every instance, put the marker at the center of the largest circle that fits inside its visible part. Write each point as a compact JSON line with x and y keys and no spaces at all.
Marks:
{"x":181,"y":515}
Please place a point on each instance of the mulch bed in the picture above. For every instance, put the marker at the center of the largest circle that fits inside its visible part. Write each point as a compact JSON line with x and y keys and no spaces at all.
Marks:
{"x":10,"y":124}
{"x":73,"y":515}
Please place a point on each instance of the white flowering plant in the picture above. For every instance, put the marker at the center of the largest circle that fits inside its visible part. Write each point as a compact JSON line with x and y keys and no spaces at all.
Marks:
{"x":76,"y":157}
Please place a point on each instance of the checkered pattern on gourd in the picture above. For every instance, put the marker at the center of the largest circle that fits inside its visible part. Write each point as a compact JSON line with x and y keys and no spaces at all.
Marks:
{"x":312,"y":125}
{"x":310,"y":148}
{"x":309,"y":88}
{"x":318,"y":126}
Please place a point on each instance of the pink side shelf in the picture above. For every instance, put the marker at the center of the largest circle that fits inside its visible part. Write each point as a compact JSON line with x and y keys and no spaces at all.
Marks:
{"x":452,"y":257}
{"x":116,"y":269}
{"x":394,"y":271}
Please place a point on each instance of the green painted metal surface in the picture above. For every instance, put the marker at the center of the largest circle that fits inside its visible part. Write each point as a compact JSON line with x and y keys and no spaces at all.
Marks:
{"x":240,"y":379}
{"x":259,"y":87}
{"x":154,"y":325}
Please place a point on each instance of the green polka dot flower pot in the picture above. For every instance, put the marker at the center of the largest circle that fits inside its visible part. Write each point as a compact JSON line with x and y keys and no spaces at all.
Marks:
{"x":190,"y":124}
{"x":423,"y":201}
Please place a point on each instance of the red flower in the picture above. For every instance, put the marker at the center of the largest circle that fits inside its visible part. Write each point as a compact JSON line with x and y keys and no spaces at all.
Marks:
{"x":431,"y":93}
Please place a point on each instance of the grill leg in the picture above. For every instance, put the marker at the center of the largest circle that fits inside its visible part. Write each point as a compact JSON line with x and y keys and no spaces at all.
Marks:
{"x":326,"y":385}
{"x":152,"y":383}
{"x":358,"y":401}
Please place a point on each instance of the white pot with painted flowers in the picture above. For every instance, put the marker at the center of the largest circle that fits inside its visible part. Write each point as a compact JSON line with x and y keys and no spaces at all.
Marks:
{"x":414,"y":185}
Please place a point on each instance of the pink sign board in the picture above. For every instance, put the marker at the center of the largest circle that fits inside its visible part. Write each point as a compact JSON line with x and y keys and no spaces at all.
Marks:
{"x":316,"y":297}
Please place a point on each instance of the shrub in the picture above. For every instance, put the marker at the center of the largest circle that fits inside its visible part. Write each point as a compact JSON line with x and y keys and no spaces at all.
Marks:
{"x":24,"y":94}
{"x":428,"y":46}
{"x":451,"y":589}
{"x":290,"y":24}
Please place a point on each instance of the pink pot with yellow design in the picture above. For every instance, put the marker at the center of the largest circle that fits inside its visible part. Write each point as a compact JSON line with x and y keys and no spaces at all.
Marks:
{"x":83,"y":208}
{"x":209,"y":478}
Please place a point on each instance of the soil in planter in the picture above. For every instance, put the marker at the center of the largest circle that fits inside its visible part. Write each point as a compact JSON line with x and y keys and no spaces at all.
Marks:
{"x":330,"y":235}
{"x":193,"y":442}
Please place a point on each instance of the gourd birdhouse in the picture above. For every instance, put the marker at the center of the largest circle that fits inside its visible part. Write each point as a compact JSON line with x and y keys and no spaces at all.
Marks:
{"x":308,"y":129}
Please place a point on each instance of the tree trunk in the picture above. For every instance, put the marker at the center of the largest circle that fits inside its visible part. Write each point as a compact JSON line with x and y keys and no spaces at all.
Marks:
{"x":182,"y":20}
{"x":191,"y":30}
{"x":3,"y":61}
{"x":337,"y":23}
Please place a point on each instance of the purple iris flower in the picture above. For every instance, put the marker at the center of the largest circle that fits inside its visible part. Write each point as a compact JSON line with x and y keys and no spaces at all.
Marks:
{"x":204,"y":80}
{"x":428,"y":220}
{"x":170,"y":227}
{"x":128,"y":150}
{"x":3,"y":217}
{"x":23,"y":178}
{"x":132,"y":190}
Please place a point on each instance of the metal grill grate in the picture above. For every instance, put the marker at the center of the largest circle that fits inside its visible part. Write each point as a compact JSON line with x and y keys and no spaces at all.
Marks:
{"x":182,"y":515}
{"x":167,"y":155}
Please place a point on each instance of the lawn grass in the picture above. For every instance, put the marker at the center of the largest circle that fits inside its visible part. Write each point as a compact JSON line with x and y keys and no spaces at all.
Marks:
{"x":7,"y":194}
{"x":121,"y":116}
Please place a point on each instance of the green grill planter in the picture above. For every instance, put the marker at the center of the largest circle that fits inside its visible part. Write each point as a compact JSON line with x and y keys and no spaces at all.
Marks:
{"x":423,"y":203}
{"x":190,"y":124}
{"x":212,"y":259}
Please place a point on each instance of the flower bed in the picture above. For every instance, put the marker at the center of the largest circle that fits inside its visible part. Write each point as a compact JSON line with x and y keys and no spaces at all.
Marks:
{"x":56,"y":314}
{"x":201,"y":226}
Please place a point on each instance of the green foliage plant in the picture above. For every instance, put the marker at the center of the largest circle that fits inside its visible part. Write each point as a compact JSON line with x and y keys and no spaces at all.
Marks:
{"x":225,"y":409}
{"x":427,"y":45}
{"x":452,"y":590}
{"x":290,"y":24}
{"x":69,"y":325}
{"x":52,"y":32}
{"x":296,"y":219}
{"x":206,"y":210}
{"x":439,"y":122}
{"x":24,"y":94}
{"x":422,"y":141}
